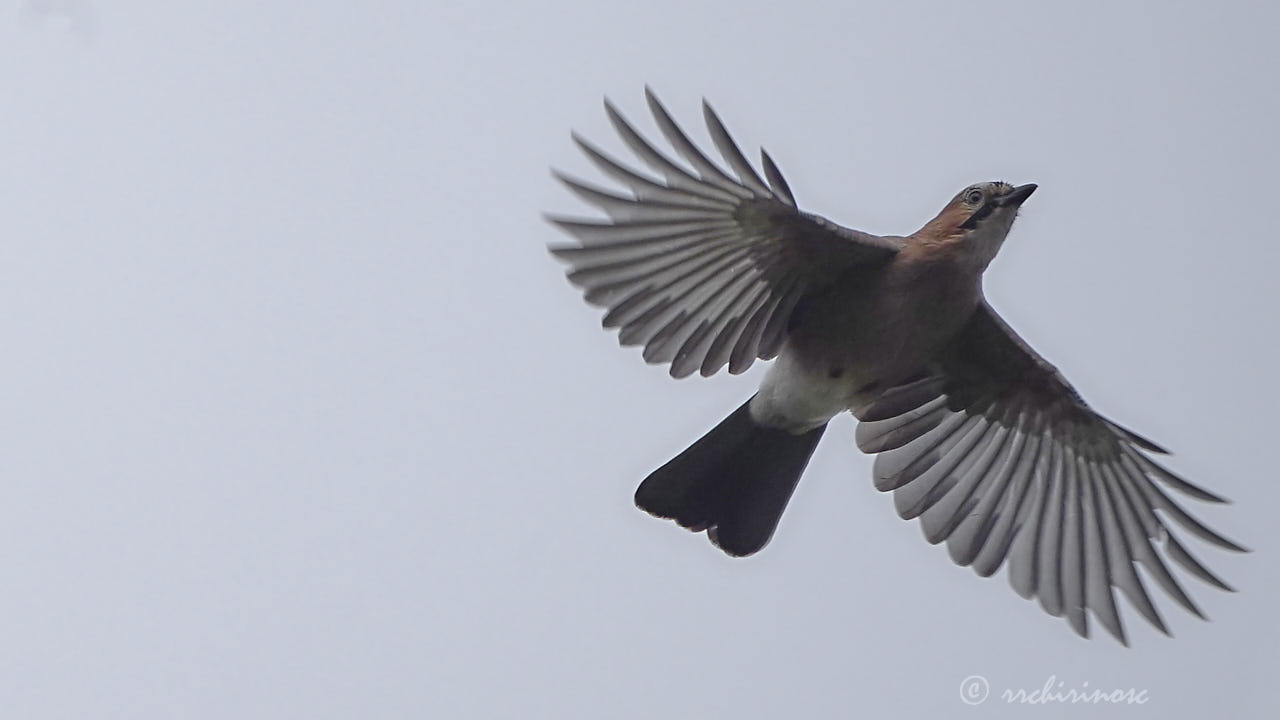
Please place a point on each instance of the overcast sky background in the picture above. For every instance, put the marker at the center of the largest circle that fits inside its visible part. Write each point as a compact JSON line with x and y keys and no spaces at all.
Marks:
{"x":300,"y":420}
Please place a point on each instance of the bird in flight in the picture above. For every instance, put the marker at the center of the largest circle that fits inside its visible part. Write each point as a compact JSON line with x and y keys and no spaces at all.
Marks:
{"x":974,"y":433}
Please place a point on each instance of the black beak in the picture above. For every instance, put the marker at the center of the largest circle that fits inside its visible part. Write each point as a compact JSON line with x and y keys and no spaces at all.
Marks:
{"x":1018,"y":195}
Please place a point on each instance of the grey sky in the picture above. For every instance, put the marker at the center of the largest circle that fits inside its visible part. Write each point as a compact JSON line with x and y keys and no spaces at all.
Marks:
{"x":301,"y":420}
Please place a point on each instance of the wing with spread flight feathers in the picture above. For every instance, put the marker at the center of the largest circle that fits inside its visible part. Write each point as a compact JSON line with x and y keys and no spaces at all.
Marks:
{"x":998,"y":455}
{"x":699,"y":267}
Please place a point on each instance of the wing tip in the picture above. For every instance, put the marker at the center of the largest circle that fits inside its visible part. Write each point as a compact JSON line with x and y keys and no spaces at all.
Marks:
{"x":776,"y":182}
{"x":714,"y":123}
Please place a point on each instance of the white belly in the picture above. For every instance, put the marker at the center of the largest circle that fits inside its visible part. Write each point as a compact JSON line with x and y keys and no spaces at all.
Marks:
{"x":798,"y":398}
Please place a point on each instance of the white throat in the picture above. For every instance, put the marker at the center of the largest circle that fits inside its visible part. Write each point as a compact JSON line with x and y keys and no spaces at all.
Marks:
{"x":987,"y":238}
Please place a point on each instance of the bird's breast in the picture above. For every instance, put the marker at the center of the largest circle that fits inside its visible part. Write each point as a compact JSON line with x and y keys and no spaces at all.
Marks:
{"x":857,"y":339}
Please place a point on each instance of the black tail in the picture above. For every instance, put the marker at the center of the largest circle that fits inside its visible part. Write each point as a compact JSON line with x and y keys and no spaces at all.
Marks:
{"x":734,"y":482}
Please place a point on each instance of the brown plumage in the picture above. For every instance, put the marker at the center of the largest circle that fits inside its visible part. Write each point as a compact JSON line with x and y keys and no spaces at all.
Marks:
{"x":974,"y":433}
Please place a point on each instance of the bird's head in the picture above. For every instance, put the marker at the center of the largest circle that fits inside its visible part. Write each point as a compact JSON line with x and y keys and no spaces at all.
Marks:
{"x":978,"y":218}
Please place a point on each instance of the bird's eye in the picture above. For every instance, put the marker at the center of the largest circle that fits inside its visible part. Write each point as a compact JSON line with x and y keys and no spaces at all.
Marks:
{"x":974,"y":196}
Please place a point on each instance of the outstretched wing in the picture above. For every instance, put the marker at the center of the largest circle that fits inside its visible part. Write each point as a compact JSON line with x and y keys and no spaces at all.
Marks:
{"x":998,"y":455}
{"x":700,"y":268}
